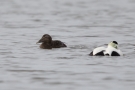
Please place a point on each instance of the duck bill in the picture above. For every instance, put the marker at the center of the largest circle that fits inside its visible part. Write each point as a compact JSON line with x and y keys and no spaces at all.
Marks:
{"x":40,"y":41}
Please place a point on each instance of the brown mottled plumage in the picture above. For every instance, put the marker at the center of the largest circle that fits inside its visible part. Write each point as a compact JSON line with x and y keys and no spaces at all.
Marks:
{"x":48,"y":43}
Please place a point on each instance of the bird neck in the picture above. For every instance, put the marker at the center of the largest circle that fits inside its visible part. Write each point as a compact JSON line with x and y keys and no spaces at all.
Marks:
{"x":113,"y":45}
{"x":46,"y":45}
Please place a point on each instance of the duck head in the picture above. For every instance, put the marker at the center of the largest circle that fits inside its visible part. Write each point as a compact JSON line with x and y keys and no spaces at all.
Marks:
{"x":113,"y":44}
{"x":46,"y":38}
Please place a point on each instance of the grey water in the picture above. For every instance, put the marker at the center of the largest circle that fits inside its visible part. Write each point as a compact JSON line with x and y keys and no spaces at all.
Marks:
{"x":82,"y":25}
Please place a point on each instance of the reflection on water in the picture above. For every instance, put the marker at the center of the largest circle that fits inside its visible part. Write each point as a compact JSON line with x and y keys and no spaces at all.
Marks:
{"x":82,"y":25}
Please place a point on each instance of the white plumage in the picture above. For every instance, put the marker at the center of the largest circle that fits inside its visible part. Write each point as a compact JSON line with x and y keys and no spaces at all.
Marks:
{"x":111,"y":49}
{"x":98,"y":49}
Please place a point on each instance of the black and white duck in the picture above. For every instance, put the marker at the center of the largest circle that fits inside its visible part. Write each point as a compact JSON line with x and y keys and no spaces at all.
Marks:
{"x":111,"y":50}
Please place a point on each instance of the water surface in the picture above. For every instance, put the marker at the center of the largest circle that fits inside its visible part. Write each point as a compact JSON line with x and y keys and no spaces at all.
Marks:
{"x":82,"y":25}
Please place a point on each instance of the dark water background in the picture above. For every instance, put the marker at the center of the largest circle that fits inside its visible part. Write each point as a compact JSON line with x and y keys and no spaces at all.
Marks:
{"x":82,"y":25}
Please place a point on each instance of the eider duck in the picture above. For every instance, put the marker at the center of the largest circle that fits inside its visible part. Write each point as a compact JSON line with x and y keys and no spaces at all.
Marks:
{"x":48,"y":43}
{"x":111,"y":50}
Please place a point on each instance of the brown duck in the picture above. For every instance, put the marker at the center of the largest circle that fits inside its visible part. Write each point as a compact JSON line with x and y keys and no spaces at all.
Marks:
{"x":48,"y":43}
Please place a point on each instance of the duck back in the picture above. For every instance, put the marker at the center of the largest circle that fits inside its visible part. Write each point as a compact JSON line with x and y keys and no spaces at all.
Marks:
{"x":57,"y":44}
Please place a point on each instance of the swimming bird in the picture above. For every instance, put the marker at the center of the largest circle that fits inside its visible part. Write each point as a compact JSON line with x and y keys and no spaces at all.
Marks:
{"x":48,"y":43}
{"x":111,"y":50}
